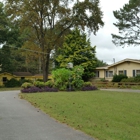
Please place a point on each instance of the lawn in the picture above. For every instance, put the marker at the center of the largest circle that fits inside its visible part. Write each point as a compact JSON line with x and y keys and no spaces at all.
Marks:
{"x":105,"y":115}
{"x":8,"y":89}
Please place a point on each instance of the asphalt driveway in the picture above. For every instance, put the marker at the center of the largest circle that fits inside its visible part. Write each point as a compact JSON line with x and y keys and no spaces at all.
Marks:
{"x":19,"y":120}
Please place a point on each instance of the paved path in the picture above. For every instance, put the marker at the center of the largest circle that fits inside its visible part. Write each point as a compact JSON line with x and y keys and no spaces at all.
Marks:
{"x":19,"y":120}
{"x":122,"y":90}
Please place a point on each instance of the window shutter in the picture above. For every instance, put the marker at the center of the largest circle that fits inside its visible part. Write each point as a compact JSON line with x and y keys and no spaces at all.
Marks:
{"x":106,"y":73}
{"x":125,"y":72}
{"x":133,"y":73}
{"x":98,"y":73}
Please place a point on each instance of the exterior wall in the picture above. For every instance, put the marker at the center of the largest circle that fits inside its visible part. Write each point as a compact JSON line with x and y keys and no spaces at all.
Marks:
{"x":7,"y":75}
{"x":127,"y":68}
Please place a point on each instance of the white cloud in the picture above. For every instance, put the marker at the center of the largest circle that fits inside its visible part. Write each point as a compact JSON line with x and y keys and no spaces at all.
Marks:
{"x":105,"y":49}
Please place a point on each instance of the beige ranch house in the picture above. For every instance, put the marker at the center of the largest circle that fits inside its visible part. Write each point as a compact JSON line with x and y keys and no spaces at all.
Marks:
{"x":129,"y":67}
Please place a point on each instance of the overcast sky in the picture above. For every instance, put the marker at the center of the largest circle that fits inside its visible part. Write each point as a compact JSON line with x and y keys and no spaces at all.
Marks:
{"x":105,"y":49}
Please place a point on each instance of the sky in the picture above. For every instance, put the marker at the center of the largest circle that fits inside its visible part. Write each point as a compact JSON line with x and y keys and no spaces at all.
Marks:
{"x":105,"y":49}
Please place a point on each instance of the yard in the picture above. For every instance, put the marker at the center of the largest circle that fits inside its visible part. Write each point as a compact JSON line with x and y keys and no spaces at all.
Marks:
{"x":105,"y":115}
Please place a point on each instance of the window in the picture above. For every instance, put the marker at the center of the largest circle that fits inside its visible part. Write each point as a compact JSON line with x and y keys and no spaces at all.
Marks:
{"x":109,"y":73}
{"x":137,"y":72}
{"x":22,"y":78}
{"x":97,"y":74}
{"x":122,"y":72}
{"x":4,"y":79}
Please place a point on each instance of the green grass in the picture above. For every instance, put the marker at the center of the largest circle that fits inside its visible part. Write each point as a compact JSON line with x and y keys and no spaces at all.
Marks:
{"x":105,"y":115}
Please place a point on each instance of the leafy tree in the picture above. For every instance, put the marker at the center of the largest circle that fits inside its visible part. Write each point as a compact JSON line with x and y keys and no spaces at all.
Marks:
{"x":100,"y":63}
{"x":128,"y":24}
{"x":47,"y":21}
{"x":5,"y":60}
{"x":3,"y":24}
{"x":77,"y":49}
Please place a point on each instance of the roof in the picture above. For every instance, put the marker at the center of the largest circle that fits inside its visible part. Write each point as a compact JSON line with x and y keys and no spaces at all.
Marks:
{"x":22,"y":74}
{"x":122,"y":61}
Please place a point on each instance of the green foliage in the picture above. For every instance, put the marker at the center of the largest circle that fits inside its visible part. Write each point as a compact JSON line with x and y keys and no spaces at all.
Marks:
{"x":128,"y":24}
{"x":77,"y":49}
{"x":118,"y":78}
{"x":77,"y":81}
{"x":61,"y":78}
{"x":64,"y":77}
{"x":49,"y":83}
{"x":132,"y":79}
{"x":87,"y":84}
{"x":39,"y":84}
{"x":12,"y":83}
{"x":26,"y":85}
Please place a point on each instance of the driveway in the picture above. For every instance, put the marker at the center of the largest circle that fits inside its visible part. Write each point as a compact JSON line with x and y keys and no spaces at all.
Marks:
{"x":122,"y":90}
{"x":19,"y":120}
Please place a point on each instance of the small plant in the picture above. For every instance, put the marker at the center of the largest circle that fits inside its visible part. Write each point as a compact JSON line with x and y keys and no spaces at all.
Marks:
{"x":87,"y":84}
{"x":89,"y":88}
{"x":49,"y":83}
{"x":37,"y":89}
{"x":26,"y":85}
{"x":39,"y":84}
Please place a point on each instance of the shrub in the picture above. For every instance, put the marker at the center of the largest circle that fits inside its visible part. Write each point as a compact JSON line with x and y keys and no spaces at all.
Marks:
{"x":39,"y":84}
{"x":37,"y":89}
{"x":130,"y":79}
{"x":89,"y":88}
{"x":77,"y":81}
{"x":61,"y":78}
{"x":26,"y":85}
{"x":87,"y":84}
{"x":12,"y":83}
{"x":118,"y":78}
{"x":49,"y":83}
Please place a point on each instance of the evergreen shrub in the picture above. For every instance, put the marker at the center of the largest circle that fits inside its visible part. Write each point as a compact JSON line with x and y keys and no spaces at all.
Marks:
{"x":118,"y":78}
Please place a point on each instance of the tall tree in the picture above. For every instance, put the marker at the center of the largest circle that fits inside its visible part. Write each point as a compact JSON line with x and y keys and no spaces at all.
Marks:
{"x":128,"y":24}
{"x":3,"y":24}
{"x":48,"y":20}
{"x":77,"y":49}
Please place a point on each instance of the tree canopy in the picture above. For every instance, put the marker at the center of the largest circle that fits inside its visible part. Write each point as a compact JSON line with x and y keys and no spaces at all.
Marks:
{"x":77,"y":49}
{"x":128,"y":24}
{"x":46,"y":22}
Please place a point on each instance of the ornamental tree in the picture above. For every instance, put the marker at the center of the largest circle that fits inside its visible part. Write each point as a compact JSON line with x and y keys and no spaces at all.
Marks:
{"x":77,"y":49}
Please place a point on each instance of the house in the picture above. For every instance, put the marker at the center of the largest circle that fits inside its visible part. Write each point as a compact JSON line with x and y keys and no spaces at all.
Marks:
{"x":19,"y":76}
{"x":128,"y":67}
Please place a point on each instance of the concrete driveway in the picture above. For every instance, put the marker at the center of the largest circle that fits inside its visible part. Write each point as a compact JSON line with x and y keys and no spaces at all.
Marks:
{"x":122,"y":90}
{"x":19,"y":120}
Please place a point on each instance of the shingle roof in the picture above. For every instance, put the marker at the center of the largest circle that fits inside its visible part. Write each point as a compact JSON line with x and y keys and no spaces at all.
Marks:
{"x":22,"y":74}
{"x":122,"y":61}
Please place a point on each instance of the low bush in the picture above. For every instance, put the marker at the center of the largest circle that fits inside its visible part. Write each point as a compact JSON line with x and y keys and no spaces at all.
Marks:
{"x":26,"y":85}
{"x":87,"y":84}
{"x":49,"y":83}
{"x":39,"y":84}
{"x":89,"y":88}
{"x":118,"y":78}
{"x":37,"y":89}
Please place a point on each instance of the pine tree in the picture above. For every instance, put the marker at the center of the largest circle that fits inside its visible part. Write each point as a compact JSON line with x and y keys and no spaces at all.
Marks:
{"x":77,"y":49}
{"x":128,"y":24}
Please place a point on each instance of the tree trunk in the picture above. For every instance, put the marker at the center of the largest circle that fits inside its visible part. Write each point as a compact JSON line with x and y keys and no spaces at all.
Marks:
{"x":46,"y":67}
